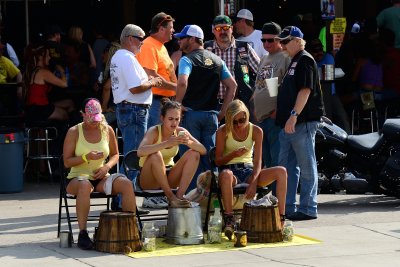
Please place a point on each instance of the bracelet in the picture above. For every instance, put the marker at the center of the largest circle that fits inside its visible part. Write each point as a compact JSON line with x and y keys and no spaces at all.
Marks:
{"x":84,"y":158}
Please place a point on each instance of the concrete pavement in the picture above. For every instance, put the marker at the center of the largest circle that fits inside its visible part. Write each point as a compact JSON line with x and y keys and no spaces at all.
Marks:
{"x":356,"y":230}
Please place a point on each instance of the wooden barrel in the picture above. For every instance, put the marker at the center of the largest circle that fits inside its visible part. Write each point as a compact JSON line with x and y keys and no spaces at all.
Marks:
{"x":117,"y":233}
{"x":262,"y":224}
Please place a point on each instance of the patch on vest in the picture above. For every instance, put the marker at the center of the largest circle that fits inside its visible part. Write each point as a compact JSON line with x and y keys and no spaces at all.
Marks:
{"x":208,"y":62}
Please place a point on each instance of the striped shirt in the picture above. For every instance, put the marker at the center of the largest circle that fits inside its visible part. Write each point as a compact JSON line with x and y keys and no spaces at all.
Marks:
{"x":229,"y":56}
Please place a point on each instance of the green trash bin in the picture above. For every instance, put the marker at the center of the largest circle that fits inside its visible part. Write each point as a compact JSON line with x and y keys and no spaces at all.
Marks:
{"x":11,"y":160}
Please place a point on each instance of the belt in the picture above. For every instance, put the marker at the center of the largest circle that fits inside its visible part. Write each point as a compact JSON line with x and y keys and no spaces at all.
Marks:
{"x":126,"y":103}
{"x":236,"y":166}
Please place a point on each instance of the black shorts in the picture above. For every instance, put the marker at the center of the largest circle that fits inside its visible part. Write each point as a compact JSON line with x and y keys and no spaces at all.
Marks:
{"x":39,"y":113}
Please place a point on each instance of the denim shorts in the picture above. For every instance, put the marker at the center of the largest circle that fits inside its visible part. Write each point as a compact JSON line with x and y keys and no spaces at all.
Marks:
{"x":241,"y":171}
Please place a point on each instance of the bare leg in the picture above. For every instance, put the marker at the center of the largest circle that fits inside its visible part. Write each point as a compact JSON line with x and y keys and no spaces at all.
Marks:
{"x":82,"y":190}
{"x":66,"y":104}
{"x":226,"y":182}
{"x":59,"y":114}
{"x":124,"y":186}
{"x":183,"y":171}
{"x":278,"y":174}
{"x":153,"y":175}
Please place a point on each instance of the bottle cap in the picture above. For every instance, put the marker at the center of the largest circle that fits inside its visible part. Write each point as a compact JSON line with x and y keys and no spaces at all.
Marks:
{"x":216,"y":203}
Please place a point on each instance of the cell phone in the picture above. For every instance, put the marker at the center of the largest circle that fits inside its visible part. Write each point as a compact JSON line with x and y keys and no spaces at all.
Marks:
{"x":242,"y":147}
{"x":99,"y":153}
{"x":181,"y":133}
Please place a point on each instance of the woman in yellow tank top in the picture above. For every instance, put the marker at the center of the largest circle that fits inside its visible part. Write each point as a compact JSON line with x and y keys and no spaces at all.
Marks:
{"x":238,"y":155}
{"x":86,"y":147}
{"x":157,"y":150}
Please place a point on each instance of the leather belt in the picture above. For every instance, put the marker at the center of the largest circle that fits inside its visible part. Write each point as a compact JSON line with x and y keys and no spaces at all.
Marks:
{"x":126,"y":103}
{"x":236,"y":166}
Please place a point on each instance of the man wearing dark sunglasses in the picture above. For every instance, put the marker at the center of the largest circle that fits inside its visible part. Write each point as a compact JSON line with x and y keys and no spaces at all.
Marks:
{"x":272,"y":65}
{"x":131,"y":88}
{"x":199,"y":76}
{"x":299,"y":109}
{"x":240,"y":58}
{"x":244,"y":28}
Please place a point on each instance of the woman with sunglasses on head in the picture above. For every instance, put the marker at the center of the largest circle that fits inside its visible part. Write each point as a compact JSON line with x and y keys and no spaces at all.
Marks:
{"x":157,"y":151}
{"x":87,"y":145}
{"x":238,"y":156}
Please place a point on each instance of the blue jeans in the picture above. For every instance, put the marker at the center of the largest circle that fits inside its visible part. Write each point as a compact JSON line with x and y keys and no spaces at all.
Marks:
{"x":270,"y":145}
{"x":154,"y":113}
{"x":297,"y":155}
{"x":202,"y":125}
{"x":132,"y":122}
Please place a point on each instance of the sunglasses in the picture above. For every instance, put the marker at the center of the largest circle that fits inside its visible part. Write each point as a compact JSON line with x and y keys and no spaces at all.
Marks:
{"x":239,"y":121}
{"x":270,"y":40}
{"x":286,"y":41}
{"x":136,"y":37}
{"x":166,"y":18}
{"x":220,"y":28}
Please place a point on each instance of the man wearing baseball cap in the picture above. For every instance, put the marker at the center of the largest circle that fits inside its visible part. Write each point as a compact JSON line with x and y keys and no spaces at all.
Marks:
{"x":199,"y":76}
{"x":244,"y":27}
{"x":299,"y":108}
{"x":239,"y":56}
{"x":274,"y":64}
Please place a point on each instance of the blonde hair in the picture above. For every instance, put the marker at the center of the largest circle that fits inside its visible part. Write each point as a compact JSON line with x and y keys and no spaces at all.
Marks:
{"x":75,"y":33}
{"x":234,"y":108}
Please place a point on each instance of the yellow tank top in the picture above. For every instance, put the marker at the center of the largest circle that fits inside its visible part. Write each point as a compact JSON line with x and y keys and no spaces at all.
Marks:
{"x":168,"y":154}
{"x":84,"y":147}
{"x":231,"y":144}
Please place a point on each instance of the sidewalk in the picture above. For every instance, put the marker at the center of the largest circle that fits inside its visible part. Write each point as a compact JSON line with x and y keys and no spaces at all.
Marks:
{"x":356,"y":230}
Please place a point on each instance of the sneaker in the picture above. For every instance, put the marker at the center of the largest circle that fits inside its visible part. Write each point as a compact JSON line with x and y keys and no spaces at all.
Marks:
{"x":229,"y":225}
{"x":84,"y":241}
{"x":155,"y":202}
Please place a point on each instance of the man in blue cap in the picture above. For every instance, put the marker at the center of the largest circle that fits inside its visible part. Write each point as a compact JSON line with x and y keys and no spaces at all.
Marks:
{"x":199,"y":75}
{"x":299,"y":108}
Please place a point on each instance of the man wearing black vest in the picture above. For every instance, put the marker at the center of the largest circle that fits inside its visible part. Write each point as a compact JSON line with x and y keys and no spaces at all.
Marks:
{"x":199,"y":76}
{"x":240,"y":58}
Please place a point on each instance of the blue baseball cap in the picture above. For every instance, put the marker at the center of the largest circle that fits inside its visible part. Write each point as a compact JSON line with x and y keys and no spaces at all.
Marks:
{"x":190,"y":30}
{"x":290,"y":31}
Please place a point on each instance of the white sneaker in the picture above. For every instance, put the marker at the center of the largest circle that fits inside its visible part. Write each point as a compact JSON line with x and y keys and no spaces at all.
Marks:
{"x":155,"y":202}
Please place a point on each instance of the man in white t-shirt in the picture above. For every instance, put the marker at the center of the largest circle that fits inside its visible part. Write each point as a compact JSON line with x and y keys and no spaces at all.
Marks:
{"x":131,"y":89}
{"x":244,"y":27}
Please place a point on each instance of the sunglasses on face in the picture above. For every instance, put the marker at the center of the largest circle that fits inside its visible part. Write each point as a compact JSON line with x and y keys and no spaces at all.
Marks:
{"x":166,"y":18}
{"x":239,"y":121}
{"x":286,"y":41}
{"x":220,"y":28}
{"x":136,"y":37}
{"x":270,"y":40}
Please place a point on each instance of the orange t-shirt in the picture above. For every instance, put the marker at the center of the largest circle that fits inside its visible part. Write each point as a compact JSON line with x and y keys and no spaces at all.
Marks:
{"x":154,"y":56}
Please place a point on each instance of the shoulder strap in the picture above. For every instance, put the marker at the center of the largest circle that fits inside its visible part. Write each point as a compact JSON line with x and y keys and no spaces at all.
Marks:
{"x":35,"y":71}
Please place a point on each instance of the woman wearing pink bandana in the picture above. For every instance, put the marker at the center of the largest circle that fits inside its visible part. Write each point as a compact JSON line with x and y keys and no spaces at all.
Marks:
{"x":86,"y":147}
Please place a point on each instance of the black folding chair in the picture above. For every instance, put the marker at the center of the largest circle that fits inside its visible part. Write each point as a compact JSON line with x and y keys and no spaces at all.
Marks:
{"x":65,"y":198}
{"x":239,"y":189}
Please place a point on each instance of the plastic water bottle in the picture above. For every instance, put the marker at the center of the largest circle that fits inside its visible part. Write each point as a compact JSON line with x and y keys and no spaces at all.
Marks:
{"x":215,"y":225}
{"x":149,"y":235}
{"x":288,"y":231}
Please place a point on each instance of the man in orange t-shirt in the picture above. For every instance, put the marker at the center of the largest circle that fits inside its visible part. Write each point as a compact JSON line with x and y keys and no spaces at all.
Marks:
{"x":155,"y":60}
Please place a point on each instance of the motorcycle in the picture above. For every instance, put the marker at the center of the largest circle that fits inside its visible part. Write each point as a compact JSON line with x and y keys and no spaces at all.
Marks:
{"x":359,"y":163}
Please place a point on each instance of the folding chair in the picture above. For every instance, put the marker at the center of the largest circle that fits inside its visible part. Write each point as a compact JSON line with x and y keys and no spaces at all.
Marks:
{"x":131,"y":162}
{"x":65,"y":198}
{"x":238,"y":189}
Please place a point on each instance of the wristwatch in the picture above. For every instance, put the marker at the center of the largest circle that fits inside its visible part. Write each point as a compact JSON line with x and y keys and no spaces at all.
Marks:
{"x":294,"y":113}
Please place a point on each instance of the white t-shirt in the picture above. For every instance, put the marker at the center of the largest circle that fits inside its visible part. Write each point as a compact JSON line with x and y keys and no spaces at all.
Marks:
{"x":127,"y":73}
{"x":255,"y":40}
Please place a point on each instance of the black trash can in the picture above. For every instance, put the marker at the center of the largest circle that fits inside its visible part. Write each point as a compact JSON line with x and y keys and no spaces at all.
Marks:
{"x":11,"y":160}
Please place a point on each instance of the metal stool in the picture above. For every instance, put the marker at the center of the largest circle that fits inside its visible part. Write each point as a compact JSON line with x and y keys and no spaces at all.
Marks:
{"x":42,"y":139}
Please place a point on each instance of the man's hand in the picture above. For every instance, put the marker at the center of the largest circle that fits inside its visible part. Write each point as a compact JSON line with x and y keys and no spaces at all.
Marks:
{"x":290,"y":126}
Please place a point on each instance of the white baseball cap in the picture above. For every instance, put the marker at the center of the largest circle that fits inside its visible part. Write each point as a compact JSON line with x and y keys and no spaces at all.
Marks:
{"x":190,"y":30}
{"x":245,"y":14}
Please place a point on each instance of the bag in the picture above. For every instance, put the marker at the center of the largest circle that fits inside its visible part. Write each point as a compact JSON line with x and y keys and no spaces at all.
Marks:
{"x":265,"y":98}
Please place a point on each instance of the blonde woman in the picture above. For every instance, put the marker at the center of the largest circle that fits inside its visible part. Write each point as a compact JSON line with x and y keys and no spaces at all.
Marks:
{"x":238,"y":156}
{"x":86,"y":147}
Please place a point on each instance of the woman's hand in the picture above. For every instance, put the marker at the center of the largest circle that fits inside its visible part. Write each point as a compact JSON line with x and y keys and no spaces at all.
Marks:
{"x":251,"y":191}
{"x":101,"y":172}
{"x":94,"y":155}
{"x":180,"y":139}
{"x":240,"y":151}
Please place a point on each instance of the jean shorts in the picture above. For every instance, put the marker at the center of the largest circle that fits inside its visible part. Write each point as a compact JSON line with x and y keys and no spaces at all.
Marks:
{"x":242,"y":171}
